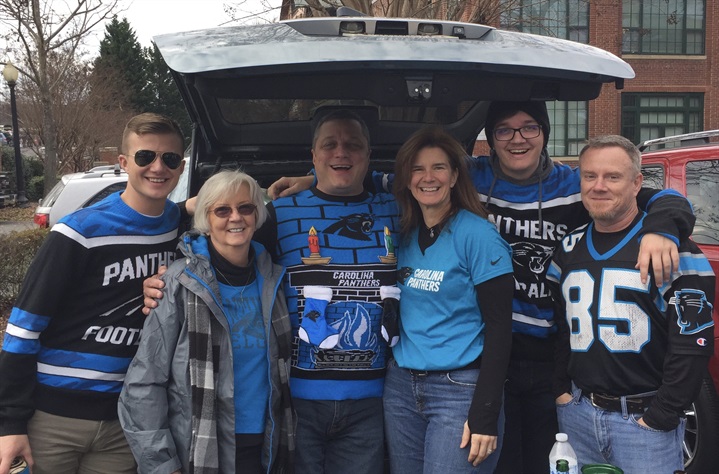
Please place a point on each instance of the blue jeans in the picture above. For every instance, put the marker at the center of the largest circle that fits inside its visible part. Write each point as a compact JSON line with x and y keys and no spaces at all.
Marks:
{"x":530,"y":418}
{"x":337,"y":437}
{"x":424,"y":421}
{"x":601,"y":436}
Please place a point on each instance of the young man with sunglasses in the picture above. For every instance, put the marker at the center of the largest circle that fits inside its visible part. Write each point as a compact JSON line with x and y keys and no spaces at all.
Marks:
{"x":77,"y":321}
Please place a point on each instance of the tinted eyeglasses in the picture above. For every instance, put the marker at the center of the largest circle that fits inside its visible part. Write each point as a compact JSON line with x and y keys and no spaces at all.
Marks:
{"x":506,"y":134}
{"x":146,"y":157}
{"x":224,"y":212}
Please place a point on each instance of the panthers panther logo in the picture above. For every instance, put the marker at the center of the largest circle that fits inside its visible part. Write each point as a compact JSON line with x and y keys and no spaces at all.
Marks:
{"x":354,"y":226}
{"x":532,"y":256}
{"x":694,"y":312}
{"x":404,"y":273}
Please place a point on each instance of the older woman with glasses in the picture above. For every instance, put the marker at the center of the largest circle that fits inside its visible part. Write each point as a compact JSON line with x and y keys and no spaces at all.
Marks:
{"x":208,"y":390}
{"x":443,"y":390}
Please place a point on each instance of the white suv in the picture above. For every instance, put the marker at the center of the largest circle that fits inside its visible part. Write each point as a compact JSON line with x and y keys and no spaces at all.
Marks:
{"x":78,"y":190}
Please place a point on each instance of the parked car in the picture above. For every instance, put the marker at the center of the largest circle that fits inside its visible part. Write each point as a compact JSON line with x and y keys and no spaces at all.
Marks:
{"x":691,"y":167}
{"x":5,"y":139}
{"x":255,"y":92}
{"x":78,"y":190}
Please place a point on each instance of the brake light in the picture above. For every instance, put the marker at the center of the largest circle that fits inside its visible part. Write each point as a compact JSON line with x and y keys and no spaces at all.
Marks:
{"x":43,"y":220}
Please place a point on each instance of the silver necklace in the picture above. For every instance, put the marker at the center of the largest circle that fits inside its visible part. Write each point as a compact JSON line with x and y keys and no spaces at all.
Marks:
{"x":227,"y":281}
{"x":436,"y":227}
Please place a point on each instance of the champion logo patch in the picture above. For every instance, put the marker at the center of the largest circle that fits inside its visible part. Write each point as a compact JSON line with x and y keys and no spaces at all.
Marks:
{"x":702,"y":342}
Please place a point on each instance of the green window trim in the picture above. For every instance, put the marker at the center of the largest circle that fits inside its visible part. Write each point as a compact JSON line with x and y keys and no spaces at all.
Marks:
{"x":646,"y":116}
{"x":671,"y":27}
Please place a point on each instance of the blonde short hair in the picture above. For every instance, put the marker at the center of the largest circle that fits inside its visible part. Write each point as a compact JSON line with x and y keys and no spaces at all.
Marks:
{"x":151,"y":124}
{"x":223,"y":184}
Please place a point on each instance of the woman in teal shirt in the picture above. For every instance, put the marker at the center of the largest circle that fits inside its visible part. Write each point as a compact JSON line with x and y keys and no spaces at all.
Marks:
{"x":443,"y":391}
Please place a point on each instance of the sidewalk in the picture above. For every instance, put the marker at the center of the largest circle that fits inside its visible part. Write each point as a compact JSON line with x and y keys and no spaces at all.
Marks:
{"x":7,"y":227}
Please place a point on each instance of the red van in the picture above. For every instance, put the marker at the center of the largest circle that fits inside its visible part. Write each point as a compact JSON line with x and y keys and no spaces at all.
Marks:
{"x":691,"y":166}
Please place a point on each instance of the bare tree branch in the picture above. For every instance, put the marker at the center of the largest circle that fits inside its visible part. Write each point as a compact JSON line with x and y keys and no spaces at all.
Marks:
{"x":47,"y":35}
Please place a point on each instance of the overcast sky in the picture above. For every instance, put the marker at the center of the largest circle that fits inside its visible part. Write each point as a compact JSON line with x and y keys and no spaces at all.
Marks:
{"x":154,"y":17}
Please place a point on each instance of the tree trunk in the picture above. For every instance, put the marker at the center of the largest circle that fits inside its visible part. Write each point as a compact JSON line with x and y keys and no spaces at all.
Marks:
{"x":50,"y":139}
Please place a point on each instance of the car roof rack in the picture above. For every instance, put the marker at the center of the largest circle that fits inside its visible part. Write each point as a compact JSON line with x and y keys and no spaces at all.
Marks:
{"x":686,"y":139}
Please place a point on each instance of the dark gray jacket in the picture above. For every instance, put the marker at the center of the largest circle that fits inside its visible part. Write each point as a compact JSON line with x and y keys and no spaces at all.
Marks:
{"x":155,"y":407}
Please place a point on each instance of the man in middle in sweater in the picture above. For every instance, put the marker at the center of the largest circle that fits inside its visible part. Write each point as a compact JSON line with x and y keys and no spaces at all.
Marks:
{"x":336,"y":241}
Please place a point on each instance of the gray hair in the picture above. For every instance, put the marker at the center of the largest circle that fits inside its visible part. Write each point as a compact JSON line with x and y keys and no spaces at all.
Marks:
{"x":608,"y":141}
{"x":223,"y":184}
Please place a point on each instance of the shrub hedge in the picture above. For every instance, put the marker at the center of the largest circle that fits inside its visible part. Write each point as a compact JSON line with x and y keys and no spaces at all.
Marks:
{"x":17,"y":250}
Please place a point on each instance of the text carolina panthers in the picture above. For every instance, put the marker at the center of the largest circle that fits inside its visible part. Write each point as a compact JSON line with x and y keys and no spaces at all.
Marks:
{"x":427,"y":280}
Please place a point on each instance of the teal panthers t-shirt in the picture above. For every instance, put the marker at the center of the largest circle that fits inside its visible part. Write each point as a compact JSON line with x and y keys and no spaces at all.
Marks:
{"x":441,"y":324}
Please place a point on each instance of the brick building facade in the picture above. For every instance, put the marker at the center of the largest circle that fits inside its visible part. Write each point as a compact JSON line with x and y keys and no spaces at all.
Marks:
{"x":679,"y":74}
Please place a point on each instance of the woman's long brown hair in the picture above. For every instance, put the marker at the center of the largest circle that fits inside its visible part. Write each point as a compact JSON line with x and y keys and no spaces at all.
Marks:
{"x":462,"y":195}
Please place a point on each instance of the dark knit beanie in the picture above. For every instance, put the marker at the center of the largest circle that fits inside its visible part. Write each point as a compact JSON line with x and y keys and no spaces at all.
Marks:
{"x":499,"y":111}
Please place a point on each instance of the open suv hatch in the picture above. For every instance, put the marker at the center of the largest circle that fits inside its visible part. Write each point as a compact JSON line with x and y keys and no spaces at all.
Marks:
{"x":253,"y":92}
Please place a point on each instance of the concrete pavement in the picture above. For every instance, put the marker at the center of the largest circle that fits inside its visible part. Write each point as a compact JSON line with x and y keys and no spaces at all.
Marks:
{"x":7,"y":227}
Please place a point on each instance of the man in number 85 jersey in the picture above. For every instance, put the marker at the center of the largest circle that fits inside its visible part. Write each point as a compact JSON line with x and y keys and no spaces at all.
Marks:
{"x":631,"y":355}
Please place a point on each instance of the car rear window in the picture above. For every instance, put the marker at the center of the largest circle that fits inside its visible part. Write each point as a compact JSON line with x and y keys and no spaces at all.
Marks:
{"x":113,"y":188}
{"x":52,"y":196}
{"x":653,"y":176}
{"x":248,"y":111}
{"x":703,"y":192}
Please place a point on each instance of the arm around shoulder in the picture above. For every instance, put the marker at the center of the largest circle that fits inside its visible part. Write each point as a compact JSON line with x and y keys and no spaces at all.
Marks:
{"x":668,"y":213}
{"x":146,"y":403}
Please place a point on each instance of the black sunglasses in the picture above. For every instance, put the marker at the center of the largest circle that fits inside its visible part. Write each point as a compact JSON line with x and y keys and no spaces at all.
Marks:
{"x":146,"y":157}
{"x":226,"y":211}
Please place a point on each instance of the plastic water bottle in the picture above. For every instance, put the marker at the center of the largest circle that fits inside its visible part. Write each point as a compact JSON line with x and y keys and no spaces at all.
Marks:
{"x":562,"y":450}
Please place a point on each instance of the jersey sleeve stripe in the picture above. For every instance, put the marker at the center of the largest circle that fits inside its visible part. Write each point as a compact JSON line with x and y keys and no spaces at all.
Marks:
{"x":48,"y":369}
{"x":694,"y":264}
{"x":79,"y":383}
{"x":22,"y":333}
{"x":531,"y":321}
{"x":84,"y":360}
{"x":18,"y":345}
{"x":27,"y":320}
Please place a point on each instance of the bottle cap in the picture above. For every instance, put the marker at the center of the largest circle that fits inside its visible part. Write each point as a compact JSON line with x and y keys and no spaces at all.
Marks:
{"x":561,"y":437}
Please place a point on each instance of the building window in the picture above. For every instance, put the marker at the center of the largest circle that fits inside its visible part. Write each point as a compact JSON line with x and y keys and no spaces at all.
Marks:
{"x":568,"y":120}
{"x":647,"y":116}
{"x":567,"y":19}
{"x":663,"y":27}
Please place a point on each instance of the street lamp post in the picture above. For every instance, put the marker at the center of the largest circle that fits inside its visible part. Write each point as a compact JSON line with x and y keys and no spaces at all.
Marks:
{"x":10,"y":74}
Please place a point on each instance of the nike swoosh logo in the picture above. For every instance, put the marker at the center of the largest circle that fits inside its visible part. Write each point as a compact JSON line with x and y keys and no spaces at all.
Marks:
{"x":494,"y":262}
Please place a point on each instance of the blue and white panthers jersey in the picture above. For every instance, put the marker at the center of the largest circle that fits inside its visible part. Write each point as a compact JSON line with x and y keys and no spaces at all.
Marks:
{"x":78,"y":319}
{"x":621,"y":329}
